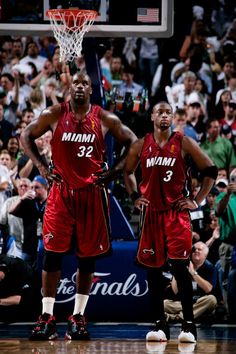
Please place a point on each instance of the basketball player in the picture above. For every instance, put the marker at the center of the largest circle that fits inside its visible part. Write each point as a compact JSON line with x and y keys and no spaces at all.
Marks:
{"x":77,"y":203}
{"x":165,"y":203}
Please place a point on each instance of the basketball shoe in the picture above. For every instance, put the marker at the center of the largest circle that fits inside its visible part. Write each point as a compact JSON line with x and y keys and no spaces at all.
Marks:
{"x":188,"y":333}
{"x":76,"y":328}
{"x":160,"y":333}
{"x":45,"y":328}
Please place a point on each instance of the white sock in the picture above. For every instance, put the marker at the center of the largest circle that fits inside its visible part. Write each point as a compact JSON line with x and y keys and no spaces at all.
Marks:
{"x":80,"y":303}
{"x":48,"y":305}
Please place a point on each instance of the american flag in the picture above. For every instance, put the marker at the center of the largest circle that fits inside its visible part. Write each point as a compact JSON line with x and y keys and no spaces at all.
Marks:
{"x":147,"y":15}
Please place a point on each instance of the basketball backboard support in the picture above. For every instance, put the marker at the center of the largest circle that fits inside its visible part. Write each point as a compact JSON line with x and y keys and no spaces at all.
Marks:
{"x":146,"y":18}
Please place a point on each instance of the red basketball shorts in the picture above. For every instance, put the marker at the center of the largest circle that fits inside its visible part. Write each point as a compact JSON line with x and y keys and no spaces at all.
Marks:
{"x":79,"y":213}
{"x":166,"y":234}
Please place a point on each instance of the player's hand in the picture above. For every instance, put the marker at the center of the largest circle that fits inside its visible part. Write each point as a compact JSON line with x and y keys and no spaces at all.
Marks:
{"x":141,"y":202}
{"x":105,"y":177}
{"x":184,"y":204}
{"x":46,"y":173}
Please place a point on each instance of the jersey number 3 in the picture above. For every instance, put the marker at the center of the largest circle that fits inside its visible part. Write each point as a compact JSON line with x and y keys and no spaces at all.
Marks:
{"x":169,"y":174}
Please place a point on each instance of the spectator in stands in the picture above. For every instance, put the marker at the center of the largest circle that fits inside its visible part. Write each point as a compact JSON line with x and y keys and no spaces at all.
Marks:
{"x":232,"y":85}
{"x":194,"y":63}
{"x":209,"y":208}
{"x":162,"y":77}
{"x":26,"y":167}
{"x":5,"y":180}
{"x":196,"y":215}
{"x":105,"y":63}
{"x":178,"y":95}
{"x":30,"y":207}
{"x":32,"y":55}
{"x":18,"y":128}
{"x":27,"y":115}
{"x":34,"y":71}
{"x":204,"y":280}
{"x":116,"y":71}
{"x":14,"y":243}
{"x":148,"y":61}
{"x":9,"y":161}
{"x":219,"y":149}
{"x":6,"y":128}
{"x":203,"y":95}
{"x":51,"y":93}
{"x":5,"y":159}
{"x":226,"y":212}
{"x":17,"y":48}
{"x":13,"y":148}
{"x":222,"y":173}
{"x":15,"y":283}
{"x":21,"y":72}
{"x":229,"y":119}
{"x":221,"y":184}
{"x":47,"y":72}
{"x":47,"y":47}
{"x":7,"y":45}
{"x":37,"y":101}
{"x":231,"y":289}
{"x":195,"y":116}
{"x":3,"y":61}
{"x":7,"y":83}
{"x":226,"y":132}
{"x":222,"y":76}
{"x":211,"y":237}
{"x":181,"y":124}
{"x":10,"y":96}
{"x":57,"y":64}
{"x":129,"y":86}
{"x":221,"y":19}
{"x":197,"y":37}
{"x":223,"y":97}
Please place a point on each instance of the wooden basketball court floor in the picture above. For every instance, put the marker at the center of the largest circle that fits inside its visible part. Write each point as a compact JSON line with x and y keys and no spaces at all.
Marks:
{"x":117,"y":338}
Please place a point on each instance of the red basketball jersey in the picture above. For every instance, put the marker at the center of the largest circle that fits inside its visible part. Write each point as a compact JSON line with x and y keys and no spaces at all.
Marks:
{"x":164,"y":172}
{"x":78,"y":148}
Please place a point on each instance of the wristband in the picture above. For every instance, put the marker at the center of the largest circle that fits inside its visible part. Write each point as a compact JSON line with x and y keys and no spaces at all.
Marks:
{"x":195,"y":203}
{"x":134,"y":196}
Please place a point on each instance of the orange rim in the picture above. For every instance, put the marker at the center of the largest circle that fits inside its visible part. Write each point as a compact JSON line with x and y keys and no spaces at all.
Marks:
{"x":69,"y":12}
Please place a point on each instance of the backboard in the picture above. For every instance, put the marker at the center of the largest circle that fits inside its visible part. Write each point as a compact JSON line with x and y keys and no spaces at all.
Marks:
{"x":146,"y":18}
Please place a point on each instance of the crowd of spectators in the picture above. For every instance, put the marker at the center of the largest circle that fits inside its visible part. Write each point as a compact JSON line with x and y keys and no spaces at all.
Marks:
{"x":197,"y":77}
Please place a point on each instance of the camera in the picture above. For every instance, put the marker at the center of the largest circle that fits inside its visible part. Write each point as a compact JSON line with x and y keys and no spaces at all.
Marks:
{"x":233,"y":179}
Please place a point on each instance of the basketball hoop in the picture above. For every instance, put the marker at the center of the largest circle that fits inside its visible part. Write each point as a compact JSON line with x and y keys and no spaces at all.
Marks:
{"x":69,"y":27}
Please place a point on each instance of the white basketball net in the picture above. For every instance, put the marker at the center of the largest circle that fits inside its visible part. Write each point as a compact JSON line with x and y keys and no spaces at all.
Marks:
{"x":69,"y":29}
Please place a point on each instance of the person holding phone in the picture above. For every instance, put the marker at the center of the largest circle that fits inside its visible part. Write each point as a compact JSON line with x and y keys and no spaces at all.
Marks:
{"x":226,"y":212}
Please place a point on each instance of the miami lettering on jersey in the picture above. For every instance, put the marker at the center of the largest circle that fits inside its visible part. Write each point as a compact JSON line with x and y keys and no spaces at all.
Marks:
{"x":160,"y":161}
{"x":80,"y":138}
